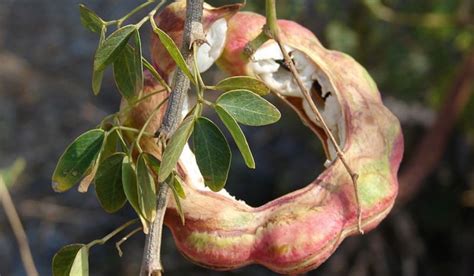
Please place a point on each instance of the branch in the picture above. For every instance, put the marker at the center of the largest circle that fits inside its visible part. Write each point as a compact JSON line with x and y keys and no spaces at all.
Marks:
{"x":18,"y":230}
{"x":112,"y":234}
{"x":151,"y":263}
{"x":192,"y":29}
{"x":272,"y":27}
{"x":432,"y":146}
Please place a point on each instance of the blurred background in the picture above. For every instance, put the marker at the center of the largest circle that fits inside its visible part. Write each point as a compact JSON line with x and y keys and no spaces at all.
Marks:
{"x":420,"y":53}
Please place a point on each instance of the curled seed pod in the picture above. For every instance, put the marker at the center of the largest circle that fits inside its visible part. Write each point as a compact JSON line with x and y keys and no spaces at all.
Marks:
{"x":299,"y":231}
{"x":171,"y":21}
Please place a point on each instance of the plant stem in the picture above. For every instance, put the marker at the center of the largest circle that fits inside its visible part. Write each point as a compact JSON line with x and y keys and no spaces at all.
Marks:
{"x":272,"y":26}
{"x":129,"y":129}
{"x":147,"y":122}
{"x":180,"y":81}
{"x":134,"y":11}
{"x":270,"y":13}
{"x":112,"y":234}
{"x":122,"y":240}
{"x":18,"y":230}
{"x":132,"y":105}
{"x":155,"y":74}
{"x":151,"y":263}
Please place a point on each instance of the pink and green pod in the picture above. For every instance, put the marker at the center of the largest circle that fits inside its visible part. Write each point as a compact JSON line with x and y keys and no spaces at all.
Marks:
{"x":296,"y":232}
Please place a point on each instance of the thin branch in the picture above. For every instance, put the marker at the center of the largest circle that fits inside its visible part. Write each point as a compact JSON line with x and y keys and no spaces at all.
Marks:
{"x":134,"y":11}
{"x":272,"y":27}
{"x":147,"y":122}
{"x":151,"y":263}
{"x":124,"y":239}
{"x":18,"y":230}
{"x":192,"y":27}
{"x":112,"y":234}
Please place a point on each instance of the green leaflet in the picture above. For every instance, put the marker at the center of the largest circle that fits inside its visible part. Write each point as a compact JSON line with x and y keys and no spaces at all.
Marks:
{"x":213,"y":154}
{"x":77,"y":159}
{"x":248,"y":108}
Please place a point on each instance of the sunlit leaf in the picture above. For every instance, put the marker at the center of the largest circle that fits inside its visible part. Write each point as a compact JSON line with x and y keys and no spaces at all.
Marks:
{"x":174,"y":148}
{"x":90,"y":20}
{"x":153,"y":162}
{"x":139,"y":63}
{"x":98,"y":75}
{"x":110,"y":146}
{"x":128,"y":70}
{"x":146,"y":189}
{"x":174,"y":52}
{"x":178,"y":193}
{"x":243,"y":82}
{"x":238,"y":136}
{"x":108,"y":183}
{"x":248,"y":108}
{"x":112,"y":46}
{"x":71,"y":260}
{"x":212,"y":152}
{"x":129,"y":182}
{"x":77,"y":159}
{"x":177,"y":185}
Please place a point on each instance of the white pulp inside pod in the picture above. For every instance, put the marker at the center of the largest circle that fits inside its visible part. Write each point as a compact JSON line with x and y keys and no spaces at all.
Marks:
{"x":209,"y":52}
{"x":194,"y":175}
{"x":268,"y":63}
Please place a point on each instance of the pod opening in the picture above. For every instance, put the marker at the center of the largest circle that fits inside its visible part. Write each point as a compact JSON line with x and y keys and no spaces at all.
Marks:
{"x":269,"y":65}
{"x":210,"y":51}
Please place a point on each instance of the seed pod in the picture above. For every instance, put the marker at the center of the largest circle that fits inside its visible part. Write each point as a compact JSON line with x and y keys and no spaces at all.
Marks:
{"x":299,"y":231}
{"x":171,"y":21}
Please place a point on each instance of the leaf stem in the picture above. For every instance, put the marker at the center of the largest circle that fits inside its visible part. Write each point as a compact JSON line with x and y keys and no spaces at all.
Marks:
{"x":134,"y":11}
{"x":129,"y":107}
{"x":270,"y":13}
{"x":124,"y":239}
{"x":155,"y":74}
{"x":198,"y":79}
{"x":130,"y":130}
{"x":147,"y":122}
{"x":133,"y":104}
{"x":274,"y":32}
{"x":111,"y":234}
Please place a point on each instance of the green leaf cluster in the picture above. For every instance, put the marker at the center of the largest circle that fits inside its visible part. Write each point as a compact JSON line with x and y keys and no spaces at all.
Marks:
{"x":111,"y":156}
{"x":211,"y":148}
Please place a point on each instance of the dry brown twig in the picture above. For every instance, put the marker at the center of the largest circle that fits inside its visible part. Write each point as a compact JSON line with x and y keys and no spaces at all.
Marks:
{"x":18,"y":229}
